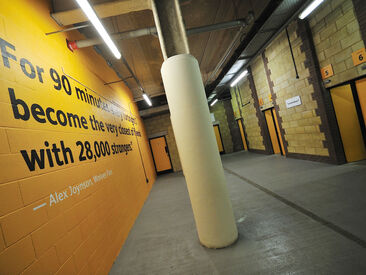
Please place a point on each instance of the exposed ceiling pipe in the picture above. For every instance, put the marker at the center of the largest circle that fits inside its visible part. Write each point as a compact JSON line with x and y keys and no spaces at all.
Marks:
{"x":225,"y":55}
{"x":77,"y":44}
{"x":69,"y":29}
{"x":249,"y":20}
{"x":133,"y":75}
{"x":258,"y":23}
{"x":219,"y":26}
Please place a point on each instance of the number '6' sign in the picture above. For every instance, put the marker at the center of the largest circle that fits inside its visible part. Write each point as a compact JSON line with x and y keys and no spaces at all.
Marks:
{"x":358,"y":56}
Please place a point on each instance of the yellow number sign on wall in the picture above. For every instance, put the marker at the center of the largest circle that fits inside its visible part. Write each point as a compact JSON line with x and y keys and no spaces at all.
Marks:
{"x":327,"y":71}
{"x":260,"y":100}
{"x":359,"y":56}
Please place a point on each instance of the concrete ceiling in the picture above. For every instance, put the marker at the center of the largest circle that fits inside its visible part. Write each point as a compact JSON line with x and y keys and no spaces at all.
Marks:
{"x":143,"y":54}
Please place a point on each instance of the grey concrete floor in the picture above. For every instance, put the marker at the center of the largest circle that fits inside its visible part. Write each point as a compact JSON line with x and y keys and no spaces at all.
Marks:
{"x":294,"y":217}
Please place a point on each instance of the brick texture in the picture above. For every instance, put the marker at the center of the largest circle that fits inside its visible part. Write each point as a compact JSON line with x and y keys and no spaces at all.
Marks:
{"x":86,"y":231}
{"x":245,"y":107}
{"x":273,"y":101}
{"x":162,"y":124}
{"x":221,"y":118}
{"x":46,"y":264}
{"x":324,"y":111}
{"x":22,"y":222}
{"x":233,"y":126}
{"x":10,"y":198}
{"x":300,"y":125}
{"x":336,"y":34}
{"x":68,"y":268}
{"x":17,"y":257}
{"x":309,"y":131}
{"x":259,"y":74}
{"x":360,"y":11}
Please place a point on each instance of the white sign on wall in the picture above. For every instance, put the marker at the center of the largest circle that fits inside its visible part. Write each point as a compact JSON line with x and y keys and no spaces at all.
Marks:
{"x":212,"y":117}
{"x":293,"y":101}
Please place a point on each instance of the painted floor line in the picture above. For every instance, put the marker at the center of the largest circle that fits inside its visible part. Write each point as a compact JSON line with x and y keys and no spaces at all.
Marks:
{"x":304,"y":211}
{"x":39,"y":206}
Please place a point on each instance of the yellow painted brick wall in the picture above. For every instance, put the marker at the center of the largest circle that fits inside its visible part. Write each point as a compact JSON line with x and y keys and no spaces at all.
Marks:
{"x":234,"y":102}
{"x":301,"y":124}
{"x":83,"y":232}
{"x":261,"y":82}
{"x":220,"y":117}
{"x":248,"y":112}
{"x":159,"y":124}
{"x":336,"y":35}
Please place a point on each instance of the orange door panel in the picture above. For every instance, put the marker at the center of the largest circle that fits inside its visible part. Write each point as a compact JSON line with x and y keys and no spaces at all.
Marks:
{"x":348,"y":123}
{"x":278,"y":131}
{"x":361,"y":92}
{"x":218,"y":139}
{"x":272,"y":131}
{"x":241,"y":128}
{"x":160,"y":154}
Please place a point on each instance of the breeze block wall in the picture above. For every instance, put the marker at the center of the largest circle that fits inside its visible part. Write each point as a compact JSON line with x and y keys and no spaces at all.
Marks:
{"x":161,"y":125}
{"x":336,"y":34}
{"x":272,"y":80}
{"x":261,"y":82}
{"x":245,"y":105}
{"x":221,"y":119}
{"x":71,"y":176}
{"x":301,"y":124}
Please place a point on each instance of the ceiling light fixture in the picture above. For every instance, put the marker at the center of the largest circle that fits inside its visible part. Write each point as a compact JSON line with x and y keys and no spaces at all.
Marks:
{"x":213,"y":102}
{"x":90,"y":13}
{"x":309,"y":9}
{"x":147,"y":99}
{"x":236,"y":80}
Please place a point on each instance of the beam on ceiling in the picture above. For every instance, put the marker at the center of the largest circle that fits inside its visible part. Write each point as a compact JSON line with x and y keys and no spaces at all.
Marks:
{"x":154,"y":111}
{"x":78,"y":44}
{"x":271,"y":7}
{"x":277,"y":31}
{"x":108,"y":9}
{"x":245,"y":57}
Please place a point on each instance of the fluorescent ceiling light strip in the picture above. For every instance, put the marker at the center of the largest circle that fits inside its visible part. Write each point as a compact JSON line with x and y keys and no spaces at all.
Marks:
{"x":147,"y":99}
{"x":236,"y":80}
{"x":310,"y":8}
{"x":90,"y":13}
{"x":213,"y":102}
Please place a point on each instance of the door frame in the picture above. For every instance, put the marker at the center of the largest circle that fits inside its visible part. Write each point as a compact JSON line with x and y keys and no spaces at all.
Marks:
{"x":168,"y":153}
{"x":222,"y":141}
{"x":359,"y":110}
{"x":244,"y":133}
{"x":361,"y":121}
{"x":271,"y":109}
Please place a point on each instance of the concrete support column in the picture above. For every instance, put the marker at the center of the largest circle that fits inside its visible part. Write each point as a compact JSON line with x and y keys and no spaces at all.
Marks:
{"x":169,"y":24}
{"x":193,"y":130}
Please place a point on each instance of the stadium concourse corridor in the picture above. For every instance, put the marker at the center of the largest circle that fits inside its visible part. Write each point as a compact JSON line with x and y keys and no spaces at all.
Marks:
{"x":294,"y":217}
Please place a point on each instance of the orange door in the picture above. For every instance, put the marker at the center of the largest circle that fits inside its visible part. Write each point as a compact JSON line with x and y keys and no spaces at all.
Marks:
{"x":272,"y":131}
{"x":348,"y":123}
{"x":218,"y":139}
{"x":160,"y":154}
{"x":241,"y":128}
{"x":361,"y":92}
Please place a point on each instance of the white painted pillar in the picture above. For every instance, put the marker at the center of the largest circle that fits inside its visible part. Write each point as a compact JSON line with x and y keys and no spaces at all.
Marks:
{"x":198,"y":151}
